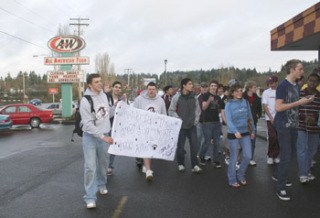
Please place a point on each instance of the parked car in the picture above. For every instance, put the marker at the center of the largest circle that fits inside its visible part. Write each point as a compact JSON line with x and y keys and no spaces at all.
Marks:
{"x":5,"y":122}
{"x":27,"y":114}
{"x":35,"y":102}
{"x":57,"y":108}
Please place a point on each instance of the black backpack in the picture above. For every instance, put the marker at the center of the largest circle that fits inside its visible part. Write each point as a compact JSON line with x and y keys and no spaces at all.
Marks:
{"x":77,"y":125}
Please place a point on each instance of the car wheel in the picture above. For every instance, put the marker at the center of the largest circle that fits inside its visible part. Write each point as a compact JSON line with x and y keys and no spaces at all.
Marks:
{"x":35,"y":122}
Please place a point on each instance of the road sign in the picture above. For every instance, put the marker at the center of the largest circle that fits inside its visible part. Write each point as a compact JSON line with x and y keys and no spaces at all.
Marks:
{"x":52,"y":91}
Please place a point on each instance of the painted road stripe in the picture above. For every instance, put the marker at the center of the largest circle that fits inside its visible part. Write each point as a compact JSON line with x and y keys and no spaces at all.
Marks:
{"x":121,"y":204}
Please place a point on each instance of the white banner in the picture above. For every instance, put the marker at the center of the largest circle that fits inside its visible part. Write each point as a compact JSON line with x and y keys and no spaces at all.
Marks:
{"x":139,"y":133}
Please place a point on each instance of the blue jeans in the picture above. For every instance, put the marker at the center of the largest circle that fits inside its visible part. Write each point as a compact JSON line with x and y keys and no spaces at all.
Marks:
{"x":200,"y":137}
{"x":191,"y":134}
{"x":95,"y":162}
{"x":233,"y":174}
{"x":211,"y":130}
{"x":253,"y":145}
{"x":307,"y":146}
{"x":111,"y":160}
{"x":287,"y":138}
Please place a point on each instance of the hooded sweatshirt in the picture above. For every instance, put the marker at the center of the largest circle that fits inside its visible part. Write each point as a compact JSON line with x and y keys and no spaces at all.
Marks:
{"x":156,"y":104}
{"x":96,"y":123}
{"x":237,"y":113}
{"x":186,"y":108}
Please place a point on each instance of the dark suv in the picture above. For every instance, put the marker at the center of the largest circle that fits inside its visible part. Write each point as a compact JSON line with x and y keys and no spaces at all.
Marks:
{"x":35,"y":102}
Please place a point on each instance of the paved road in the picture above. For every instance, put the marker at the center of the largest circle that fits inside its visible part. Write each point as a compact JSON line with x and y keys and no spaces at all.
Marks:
{"x":42,"y":176}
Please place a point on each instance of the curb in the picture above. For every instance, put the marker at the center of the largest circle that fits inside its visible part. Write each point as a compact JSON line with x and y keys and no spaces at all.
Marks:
{"x":261,"y":137}
{"x":63,"y":122}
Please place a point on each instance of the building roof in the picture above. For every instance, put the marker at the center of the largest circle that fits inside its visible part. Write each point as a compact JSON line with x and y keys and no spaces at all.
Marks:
{"x":302,"y":32}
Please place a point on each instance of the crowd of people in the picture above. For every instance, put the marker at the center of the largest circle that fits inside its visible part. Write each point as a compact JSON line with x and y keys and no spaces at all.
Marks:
{"x":220,"y":123}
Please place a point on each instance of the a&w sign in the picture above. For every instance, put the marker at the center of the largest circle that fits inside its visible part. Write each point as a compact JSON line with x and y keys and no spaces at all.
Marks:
{"x":63,"y":44}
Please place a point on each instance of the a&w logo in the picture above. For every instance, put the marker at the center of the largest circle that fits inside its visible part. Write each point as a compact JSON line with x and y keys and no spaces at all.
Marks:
{"x":64,"y":44}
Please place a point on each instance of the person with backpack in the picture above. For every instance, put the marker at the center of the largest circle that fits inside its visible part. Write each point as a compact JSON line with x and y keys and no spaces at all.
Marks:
{"x":95,"y":112}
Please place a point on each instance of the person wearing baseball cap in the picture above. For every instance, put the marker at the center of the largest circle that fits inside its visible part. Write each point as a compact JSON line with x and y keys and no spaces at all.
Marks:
{"x":269,"y":106}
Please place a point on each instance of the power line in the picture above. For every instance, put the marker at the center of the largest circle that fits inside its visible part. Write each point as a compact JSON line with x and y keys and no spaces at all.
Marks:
{"x":22,"y":39}
{"x":25,"y":19}
{"x":31,"y":11}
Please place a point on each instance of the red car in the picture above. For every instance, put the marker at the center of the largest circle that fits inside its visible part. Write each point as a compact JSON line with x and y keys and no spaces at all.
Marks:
{"x":27,"y":114}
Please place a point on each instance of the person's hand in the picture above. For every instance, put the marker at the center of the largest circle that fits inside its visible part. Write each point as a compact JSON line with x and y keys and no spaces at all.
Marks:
{"x":238,"y":135}
{"x":108,"y":139}
{"x":107,"y":88}
{"x":253,"y":135}
{"x":306,"y":100}
{"x":211,"y":99}
{"x":124,"y":97}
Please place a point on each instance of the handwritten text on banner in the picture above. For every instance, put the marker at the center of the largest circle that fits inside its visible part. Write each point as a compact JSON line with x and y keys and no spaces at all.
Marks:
{"x":139,"y":133}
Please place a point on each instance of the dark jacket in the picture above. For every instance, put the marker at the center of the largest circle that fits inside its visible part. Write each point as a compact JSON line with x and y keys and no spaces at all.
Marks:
{"x":185,"y":107}
{"x":256,"y":107}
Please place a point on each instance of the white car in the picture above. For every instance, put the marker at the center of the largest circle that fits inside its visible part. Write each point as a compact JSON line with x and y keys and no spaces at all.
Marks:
{"x":57,"y":108}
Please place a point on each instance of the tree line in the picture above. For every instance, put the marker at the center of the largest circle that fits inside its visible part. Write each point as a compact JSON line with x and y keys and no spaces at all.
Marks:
{"x":36,"y":86}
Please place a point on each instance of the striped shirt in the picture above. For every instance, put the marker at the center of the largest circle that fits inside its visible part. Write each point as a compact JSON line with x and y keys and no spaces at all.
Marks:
{"x":309,"y":113}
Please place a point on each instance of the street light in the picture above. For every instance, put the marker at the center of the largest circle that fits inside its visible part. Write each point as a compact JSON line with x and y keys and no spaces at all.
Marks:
{"x":165,"y":71}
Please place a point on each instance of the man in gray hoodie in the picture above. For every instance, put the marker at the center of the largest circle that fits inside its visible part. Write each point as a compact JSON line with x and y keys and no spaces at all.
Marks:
{"x":96,"y":138}
{"x":150,"y":101}
{"x":185,"y":106}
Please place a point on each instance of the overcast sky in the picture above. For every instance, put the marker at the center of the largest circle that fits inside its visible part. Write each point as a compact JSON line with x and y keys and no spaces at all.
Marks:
{"x":140,"y":34}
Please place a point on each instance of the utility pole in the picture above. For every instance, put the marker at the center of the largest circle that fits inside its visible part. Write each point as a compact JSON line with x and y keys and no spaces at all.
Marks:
{"x":24,"y":87}
{"x":128,"y":71}
{"x":79,"y":24}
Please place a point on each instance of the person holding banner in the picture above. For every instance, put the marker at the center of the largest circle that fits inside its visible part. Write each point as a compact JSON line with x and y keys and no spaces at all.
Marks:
{"x":150,"y":101}
{"x":185,"y":106}
{"x":114,"y":96}
{"x":96,"y":137}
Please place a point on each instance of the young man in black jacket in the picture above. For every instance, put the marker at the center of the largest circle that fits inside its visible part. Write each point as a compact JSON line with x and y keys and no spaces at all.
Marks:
{"x":255,"y":103}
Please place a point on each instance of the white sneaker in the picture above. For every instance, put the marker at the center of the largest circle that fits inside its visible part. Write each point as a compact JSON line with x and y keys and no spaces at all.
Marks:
{"x":303,"y":179}
{"x":181,"y":168}
{"x":226,"y":160}
{"x":270,"y":161}
{"x":311,"y":177}
{"x":103,"y":191}
{"x":144,"y":170}
{"x":252,"y":163}
{"x":237,"y":166}
{"x":149,"y":175}
{"x":109,"y":172}
{"x":197,"y":169}
{"x":313,"y":163}
{"x":277,"y":160}
{"x":91,"y":205}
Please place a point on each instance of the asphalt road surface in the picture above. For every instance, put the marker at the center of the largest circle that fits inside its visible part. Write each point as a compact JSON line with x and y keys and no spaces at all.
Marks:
{"x":41,"y":175}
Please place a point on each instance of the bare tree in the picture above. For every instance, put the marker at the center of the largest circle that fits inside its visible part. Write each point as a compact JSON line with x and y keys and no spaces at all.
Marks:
{"x":104,"y":67}
{"x":63,"y":30}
